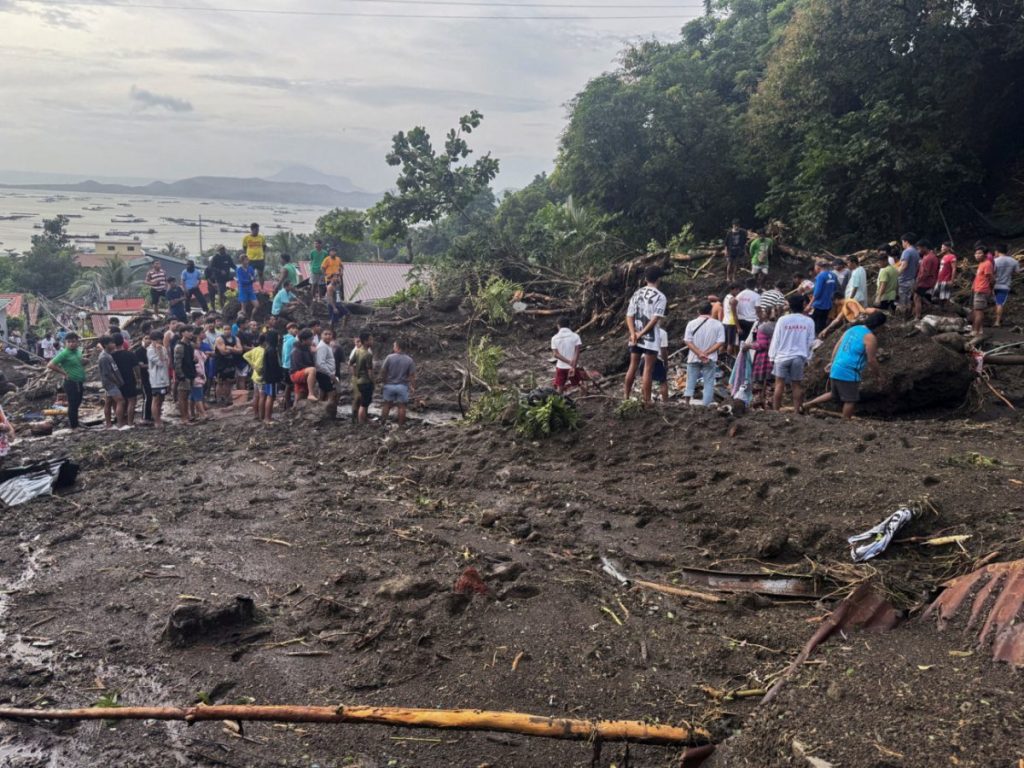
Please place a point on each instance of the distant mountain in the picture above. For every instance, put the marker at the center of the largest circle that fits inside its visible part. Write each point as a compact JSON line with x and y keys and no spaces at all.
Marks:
{"x":39,"y":177}
{"x":224,"y":188}
{"x":303,"y":174}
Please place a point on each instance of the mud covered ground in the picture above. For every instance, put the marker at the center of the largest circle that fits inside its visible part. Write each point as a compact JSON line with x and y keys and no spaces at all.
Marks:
{"x":349,"y":541}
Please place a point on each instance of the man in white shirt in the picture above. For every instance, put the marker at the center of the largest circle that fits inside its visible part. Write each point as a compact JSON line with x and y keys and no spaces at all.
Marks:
{"x":857,"y":285}
{"x":647,"y":307}
{"x":791,"y":347}
{"x":326,"y":372}
{"x":746,"y":308}
{"x":48,"y":347}
{"x":704,"y":337}
{"x":565,"y":346}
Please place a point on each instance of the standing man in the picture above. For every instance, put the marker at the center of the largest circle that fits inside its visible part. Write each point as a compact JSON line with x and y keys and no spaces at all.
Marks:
{"x":398,"y":382}
{"x":361,"y":363}
{"x":858,"y":347}
{"x":190,"y":279}
{"x":825,"y":286}
{"x":1005,"y":268}
{"x":127,"y":364}
{"x":704,"y":337}
{"x":326,"y":378}
{"x":746,"y":308}
{"x":156,"y":279}
{"x":646,"y":309}
{"x":947,"y":273}
{"x":254,"y":244}
{"x":68,"y":363}
{"x":245,"y":276}
{"x":176,"y":300}
{"x":565,"y":346}
{"x":218,"y":275}
{"x":983,"y":287}
{"x":316,"y":273}
{"x":773,"y":301}
{"x":909,"y":263}
{"x":227,"y":352}
{"x":761,"y":249}
{"x":48,"y":347}
{"x":735,"y":249}
{"x":887,"y":285}
{"x":790,"y":350}
{"x":332,"y":266}
{"x":184,"y":371}
{"x":289,"y":272}
{"x":927,"y":276}
{"x":857,"y":285}
{"x":336,"y":309}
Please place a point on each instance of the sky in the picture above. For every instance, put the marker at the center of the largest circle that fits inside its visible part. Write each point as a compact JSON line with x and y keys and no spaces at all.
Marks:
{"x":183,"y":88}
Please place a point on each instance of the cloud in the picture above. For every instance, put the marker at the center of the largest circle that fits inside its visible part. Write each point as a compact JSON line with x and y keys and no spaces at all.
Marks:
{"x":51,"y":15}
{"x":147,"y":99}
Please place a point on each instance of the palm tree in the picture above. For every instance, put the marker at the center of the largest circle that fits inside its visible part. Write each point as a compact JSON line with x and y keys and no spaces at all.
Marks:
{"x":115,"y":279}
{"x":173,"y":249}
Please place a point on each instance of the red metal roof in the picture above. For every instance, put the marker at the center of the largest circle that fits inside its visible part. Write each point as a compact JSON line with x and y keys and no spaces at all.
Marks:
{"x":126,"y":305}
{"x":16,"y":305}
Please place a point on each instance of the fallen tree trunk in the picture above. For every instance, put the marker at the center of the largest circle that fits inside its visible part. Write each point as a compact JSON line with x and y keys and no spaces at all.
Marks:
{"x":1005,"y":360}
{"x":448,"y":719}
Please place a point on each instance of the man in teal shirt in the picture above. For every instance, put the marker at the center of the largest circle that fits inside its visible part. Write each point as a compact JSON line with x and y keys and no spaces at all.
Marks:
{"x":68,"y":363}
{"x":316,"y":258}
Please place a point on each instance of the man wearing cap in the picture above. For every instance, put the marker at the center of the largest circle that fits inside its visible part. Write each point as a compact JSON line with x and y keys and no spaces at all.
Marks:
{"x":190,"y":279}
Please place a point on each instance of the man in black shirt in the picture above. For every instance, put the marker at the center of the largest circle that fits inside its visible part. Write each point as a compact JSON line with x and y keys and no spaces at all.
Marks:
{"x":184,"y":370}
{"x":735,"y":249}
{"x":218,"y":274}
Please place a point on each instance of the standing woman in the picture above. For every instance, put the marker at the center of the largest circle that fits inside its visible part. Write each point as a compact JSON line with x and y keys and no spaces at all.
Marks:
{"x":159,"y":374}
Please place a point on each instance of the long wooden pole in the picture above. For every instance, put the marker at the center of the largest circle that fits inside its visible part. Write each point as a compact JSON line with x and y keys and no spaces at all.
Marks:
{"x":450,"y":719}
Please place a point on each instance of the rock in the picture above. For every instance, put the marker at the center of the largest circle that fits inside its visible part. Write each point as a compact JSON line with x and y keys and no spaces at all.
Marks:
{"x":506,"y":571}
{"x":408,"y":588}
{"x":800,"y":752}
{"x":190,"y":622}
{"x":355,"y":575}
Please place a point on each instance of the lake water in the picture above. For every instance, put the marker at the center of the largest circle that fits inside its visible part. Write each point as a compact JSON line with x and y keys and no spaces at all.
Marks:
{"x":224,"y":221}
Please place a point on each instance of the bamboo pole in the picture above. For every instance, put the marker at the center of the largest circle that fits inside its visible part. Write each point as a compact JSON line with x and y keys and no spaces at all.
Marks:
{"x":449,"y":719}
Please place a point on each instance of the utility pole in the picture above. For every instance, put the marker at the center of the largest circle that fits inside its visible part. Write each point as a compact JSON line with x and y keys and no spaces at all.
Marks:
{"x":200,"y":237}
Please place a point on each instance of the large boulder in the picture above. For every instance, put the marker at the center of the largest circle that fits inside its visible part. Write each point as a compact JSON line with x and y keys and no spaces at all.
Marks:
{"x":917,"y":373}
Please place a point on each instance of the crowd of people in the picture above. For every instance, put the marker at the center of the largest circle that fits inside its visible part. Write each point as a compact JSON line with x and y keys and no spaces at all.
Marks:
{"x":762,"y":339}
{"x":212,"y":364}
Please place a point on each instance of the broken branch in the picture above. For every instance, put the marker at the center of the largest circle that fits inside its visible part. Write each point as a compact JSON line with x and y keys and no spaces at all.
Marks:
{"x":447,"y":719}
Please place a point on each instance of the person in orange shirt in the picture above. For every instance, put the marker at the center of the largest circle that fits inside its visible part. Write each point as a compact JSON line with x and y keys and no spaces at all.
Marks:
{"x":331,"y":266}
{"x":984,"y":283}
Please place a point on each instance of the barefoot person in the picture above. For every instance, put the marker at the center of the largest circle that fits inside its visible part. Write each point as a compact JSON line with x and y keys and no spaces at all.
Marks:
{"x":565,"y":346}
{"x":184,"y":372}
{"x":983,"y":287}
{"x":159,"y":365}
{"x":856,"y":349}
{"x":111,"y":381}
{"x":398,"y":382}
{"x":647,"y":307}
{"x":361,"y":363}
{"x":127,"y":363}
{"x":326,"y":378}
{"x":254,"y":244}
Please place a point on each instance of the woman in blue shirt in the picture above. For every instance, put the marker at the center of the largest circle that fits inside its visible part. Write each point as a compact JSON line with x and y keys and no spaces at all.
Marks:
{"x":856,"y":349}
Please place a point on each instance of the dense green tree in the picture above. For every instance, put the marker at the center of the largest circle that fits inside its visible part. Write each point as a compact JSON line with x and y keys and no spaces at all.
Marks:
{"x":878,"y":117}
{"x":431,"y":184}
{"x":115,"y":279}
{"x":48,"y":268}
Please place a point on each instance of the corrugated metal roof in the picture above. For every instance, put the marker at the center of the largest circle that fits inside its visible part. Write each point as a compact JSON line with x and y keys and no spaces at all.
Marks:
{"x":16,"y":305}
{"x":3,"y":304}
{"x":370,"y":280}
{"x":126,"y":305}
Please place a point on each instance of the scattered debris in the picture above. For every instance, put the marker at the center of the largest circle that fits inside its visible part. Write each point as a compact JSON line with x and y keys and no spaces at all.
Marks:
{"x":999,"y":598}
{"x":721,"y":581}
{"x":21,"y":484}
{"x":470,"y":582}
{"x":408,"y":588}
{"x":876,"y":540}
{"x":864,"y":608}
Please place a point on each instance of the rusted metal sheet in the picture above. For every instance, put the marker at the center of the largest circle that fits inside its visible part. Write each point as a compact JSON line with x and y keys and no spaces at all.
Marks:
{"x":998,"y":590}
{"x":770,"y":585}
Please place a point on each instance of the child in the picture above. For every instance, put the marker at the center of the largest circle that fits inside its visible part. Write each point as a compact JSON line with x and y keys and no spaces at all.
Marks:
{"x":111,"y":381}
{"x":159,"y":364}
{"x":197,"y":397}
{"x":6,"y":434}
{"x":257,"y":360}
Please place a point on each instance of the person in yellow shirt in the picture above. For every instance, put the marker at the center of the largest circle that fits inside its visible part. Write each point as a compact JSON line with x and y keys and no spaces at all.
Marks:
{"x":254,"y":357}
{"x":255,"y":246}
{"x":332,"y":266}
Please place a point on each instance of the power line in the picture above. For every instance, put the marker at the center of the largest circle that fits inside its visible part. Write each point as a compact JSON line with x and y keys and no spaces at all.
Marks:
{"x":376,"y":15}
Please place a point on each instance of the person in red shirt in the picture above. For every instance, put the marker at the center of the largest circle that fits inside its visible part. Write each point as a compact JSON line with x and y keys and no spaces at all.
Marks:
{"x":927,"y":276}
{"x":984,"y":283}
{"x":947,"y":273}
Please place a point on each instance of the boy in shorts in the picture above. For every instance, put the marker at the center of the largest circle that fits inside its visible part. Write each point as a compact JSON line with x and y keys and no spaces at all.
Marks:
{"x":111,"y":381}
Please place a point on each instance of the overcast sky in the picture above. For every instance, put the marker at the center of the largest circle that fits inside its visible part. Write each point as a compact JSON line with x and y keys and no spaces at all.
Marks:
{"x":103,"y":89}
